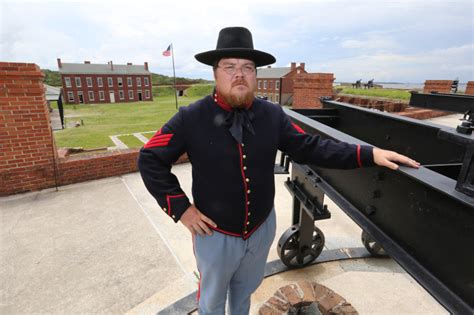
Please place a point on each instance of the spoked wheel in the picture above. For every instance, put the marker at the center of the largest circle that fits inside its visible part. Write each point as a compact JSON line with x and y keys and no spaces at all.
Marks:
{"x":372,"y":245}
{"x":292,"y":254}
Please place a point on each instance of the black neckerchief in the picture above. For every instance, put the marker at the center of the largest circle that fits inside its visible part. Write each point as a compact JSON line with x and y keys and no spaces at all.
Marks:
{"x":237,"y":119}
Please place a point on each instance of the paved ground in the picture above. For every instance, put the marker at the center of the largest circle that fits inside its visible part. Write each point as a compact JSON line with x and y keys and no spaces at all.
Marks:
{"x":104,"y":246}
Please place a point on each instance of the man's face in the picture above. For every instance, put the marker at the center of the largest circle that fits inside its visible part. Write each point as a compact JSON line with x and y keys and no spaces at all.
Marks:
{"x":236,"y":81}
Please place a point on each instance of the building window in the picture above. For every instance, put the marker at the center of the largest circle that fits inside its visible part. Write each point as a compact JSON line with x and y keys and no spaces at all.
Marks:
{"x":119,"y":81}
{"x":91,"y":95}
{"x":110,"y":81}
{"x":277,"y":85}
{"x":139,"y":81}
{"x":146,"y":81}
{"x":70,"y":97}
{"x":121,"y":96}
{"x":100,"y":83}
{"x":68,"y":81}
{"x":259,"y":84}
{"x":147,"y":93}
{"x":101,"y":95}
{"x":271,"y":97}
{"x":277,"y":98}
{"x":129,"y":81}
{"x":264,"y":84}
{"x":78,"y":82}
{"x":89,"y":82}
{"x":130,"y":95}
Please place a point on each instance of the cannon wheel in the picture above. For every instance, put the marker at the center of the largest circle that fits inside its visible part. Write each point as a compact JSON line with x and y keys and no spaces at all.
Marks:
{"x":372,"y":245}
{"x":289,"y":249}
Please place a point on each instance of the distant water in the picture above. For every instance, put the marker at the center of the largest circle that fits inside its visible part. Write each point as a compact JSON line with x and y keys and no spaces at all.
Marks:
{"x":407,"y":86}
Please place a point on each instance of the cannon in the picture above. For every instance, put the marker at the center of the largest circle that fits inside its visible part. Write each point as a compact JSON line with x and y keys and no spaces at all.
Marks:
{"x":422,"y":218}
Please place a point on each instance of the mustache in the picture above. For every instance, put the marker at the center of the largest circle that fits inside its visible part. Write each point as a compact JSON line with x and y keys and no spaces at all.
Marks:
{"x":240,"y":82}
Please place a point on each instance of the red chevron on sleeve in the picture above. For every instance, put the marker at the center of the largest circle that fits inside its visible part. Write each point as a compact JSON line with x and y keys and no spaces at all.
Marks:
{"x":298,"y":128}
{"x":158,"y":140}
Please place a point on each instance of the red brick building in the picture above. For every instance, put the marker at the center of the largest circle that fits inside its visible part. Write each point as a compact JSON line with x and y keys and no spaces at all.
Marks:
{"x":276,"y":84}
{"x":104,"y":83}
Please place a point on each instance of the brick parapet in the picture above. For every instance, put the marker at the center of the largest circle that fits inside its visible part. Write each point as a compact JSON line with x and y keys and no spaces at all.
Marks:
{"x":469,"y":88}
{"x":309,"y":87}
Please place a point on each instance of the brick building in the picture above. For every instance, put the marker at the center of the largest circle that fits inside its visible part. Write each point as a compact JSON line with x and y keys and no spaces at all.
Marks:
{"x":104,"y":83}
{"x":276,"y":84}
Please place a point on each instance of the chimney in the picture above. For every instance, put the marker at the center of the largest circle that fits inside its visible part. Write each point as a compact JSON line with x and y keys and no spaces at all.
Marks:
{"x":129,"y":63}
{"x":111,"y":65}
{"x":302,"y":65}
{"x":60,"y":65}
{"x":87,"y":62}
{"x":146,"y":65}
{"x":293,"y":66}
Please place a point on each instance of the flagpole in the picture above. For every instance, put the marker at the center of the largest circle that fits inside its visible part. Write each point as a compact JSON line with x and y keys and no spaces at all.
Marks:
{"x":174,"y":78}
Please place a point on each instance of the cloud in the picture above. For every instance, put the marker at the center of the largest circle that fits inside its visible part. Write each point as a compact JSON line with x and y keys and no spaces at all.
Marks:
{"x":447,"y":63}
{"x":324,"y":33}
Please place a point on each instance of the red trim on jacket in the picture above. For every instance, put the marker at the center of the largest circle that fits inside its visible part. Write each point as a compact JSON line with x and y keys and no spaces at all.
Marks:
{"x":245,"y":187}
{"x":298,"y":128}
{"x":222,"y":231}
{"x":359,"y":161}
{"x":168,"y":201}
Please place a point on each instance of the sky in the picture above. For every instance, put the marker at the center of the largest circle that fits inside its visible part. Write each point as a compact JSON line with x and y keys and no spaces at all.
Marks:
{"x":389,"y":41}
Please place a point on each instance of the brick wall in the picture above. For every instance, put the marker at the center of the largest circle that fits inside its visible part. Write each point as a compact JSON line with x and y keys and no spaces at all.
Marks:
{"x":440,"y":86}
{"x":27,"y":158}
{"x":26,"y":147}
{"x":306,"y":297}
{"x":470,"y":88}
{"x":309,"y":87}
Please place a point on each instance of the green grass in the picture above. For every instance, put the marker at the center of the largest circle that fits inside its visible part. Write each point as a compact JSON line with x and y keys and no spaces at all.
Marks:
{"x":387,"y":93}
{"x":201,"y":89}
{"x":131,"y":141}
{"x":104,"y":120}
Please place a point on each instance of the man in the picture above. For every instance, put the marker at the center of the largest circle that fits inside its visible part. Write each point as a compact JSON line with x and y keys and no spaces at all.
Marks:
{"x":232,"y":139}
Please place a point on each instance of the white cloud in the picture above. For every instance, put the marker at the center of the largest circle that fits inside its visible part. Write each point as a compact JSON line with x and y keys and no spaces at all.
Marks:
{"x":354,"y":40}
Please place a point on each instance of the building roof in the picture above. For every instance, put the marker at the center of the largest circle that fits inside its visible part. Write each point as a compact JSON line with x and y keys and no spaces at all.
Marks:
{"x":272,"y":72}
{"x":88,"y":68}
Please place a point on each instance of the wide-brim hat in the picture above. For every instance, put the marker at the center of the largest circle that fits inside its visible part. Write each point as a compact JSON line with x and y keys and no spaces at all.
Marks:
{"x":235,"y":42}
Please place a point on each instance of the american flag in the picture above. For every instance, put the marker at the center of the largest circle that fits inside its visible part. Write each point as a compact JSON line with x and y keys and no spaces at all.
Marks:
{"x":167,"y":52}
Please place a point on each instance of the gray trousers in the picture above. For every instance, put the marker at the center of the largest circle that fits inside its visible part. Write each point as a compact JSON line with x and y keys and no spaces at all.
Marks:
{"x":232,"y":267}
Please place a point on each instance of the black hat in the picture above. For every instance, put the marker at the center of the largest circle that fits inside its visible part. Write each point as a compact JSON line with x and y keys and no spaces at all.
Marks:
{"x":235,"y":42}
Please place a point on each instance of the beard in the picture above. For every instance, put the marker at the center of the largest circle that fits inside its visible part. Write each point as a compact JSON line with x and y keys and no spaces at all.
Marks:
{"x":237,"y":100}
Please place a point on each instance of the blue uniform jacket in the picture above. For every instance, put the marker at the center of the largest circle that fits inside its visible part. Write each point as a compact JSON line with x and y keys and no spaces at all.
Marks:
{"x":233,"y":184}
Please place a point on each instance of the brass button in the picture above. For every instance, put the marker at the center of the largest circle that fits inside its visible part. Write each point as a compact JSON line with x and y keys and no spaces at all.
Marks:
{"x":243,"y":145}
{"x":244,"y":156}
{"x":247,"y":180}
{"x":248,"y":202}
{"x":164,"y":209}
{"x":245,"y":232}
{"x":248,"y":191}
{"x":248,"y":222}
{"x":173,"y":216}
{"x":248,"y":214}
{"x":245,"y":168}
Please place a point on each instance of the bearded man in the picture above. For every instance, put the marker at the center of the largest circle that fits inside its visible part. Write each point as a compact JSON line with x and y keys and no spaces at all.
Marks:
{"x":232,"y":139}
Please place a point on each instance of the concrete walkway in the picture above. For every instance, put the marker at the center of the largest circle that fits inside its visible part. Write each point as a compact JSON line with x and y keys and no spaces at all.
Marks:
{"x":105,"y":246}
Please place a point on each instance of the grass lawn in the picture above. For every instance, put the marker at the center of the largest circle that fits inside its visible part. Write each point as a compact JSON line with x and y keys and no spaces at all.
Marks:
{"x":131,"y":141}
{"x":104,"y":120}
{"x":388,"y":93}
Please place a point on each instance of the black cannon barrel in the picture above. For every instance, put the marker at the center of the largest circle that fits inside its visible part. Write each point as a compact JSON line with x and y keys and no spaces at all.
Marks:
{"x":417,"y":215}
